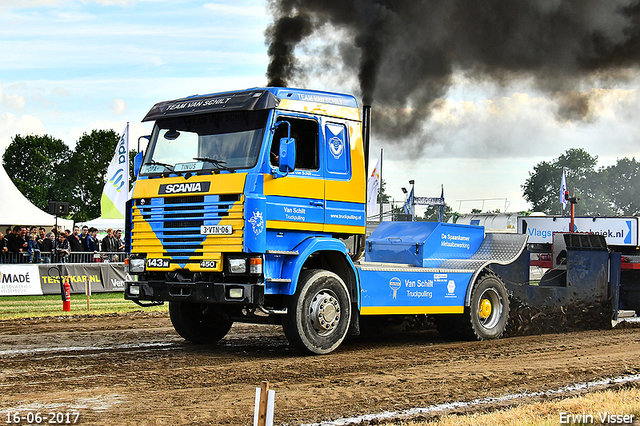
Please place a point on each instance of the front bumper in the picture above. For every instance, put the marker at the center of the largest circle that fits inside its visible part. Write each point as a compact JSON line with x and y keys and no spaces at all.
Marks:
{"x":251,"y":294}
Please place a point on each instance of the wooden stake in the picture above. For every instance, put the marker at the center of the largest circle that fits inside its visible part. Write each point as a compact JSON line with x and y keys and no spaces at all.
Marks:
{"x":87,"y":290}
{"x":262,"y":410}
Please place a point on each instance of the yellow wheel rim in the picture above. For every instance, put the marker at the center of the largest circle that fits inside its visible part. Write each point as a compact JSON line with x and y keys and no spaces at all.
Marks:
{"x":485,"y":308}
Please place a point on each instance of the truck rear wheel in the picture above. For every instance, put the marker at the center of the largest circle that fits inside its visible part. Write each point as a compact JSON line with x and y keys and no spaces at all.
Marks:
{"x":199,"y":322}
{"x":319,"y":313}
{"x":489,"y":310}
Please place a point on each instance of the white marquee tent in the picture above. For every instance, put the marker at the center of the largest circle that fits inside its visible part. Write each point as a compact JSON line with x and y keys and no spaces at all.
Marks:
{"x":103,"y":224}
{"x":15,"y":209}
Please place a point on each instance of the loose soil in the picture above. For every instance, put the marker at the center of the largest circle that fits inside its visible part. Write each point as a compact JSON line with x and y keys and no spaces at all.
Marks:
{"x":134,"y":369}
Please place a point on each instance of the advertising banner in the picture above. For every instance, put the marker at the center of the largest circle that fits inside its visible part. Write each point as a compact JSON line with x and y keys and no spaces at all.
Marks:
{"x":412,"y":292}
{"x":103,"y":277}
{"x":113,"y":277}
{"x":77,"y":273}
{"x":618,"y":231}
{"x":19,"y":280}
{"x":26,"y":280}
{"x":116,"y":189}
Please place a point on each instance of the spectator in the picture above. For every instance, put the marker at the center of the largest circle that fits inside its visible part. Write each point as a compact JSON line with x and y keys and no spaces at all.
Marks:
{"x":18,"y":243}
{"x":33,"y":248}
{"x":11,"y":240}
{"x":41,"y":236}
{"x":109,"y":243}
{"x":83,"y":237}
{"x":47,"y":247}
{"x":120,"y":240}
{"x":75,"y":244}
{"x":92,"y":240}
{"x":3,"y":247}
{"x":61,"y":248}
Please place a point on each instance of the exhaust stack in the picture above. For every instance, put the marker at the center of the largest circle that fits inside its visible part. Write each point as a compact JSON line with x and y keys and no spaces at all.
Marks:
{"x":366,"y":130}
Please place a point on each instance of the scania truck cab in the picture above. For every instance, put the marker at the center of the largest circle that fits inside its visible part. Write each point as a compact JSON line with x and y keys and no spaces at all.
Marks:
{"x":241,"y":209}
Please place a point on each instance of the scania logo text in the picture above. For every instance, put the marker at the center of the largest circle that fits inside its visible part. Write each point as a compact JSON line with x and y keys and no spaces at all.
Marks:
{"x":181,"y":188}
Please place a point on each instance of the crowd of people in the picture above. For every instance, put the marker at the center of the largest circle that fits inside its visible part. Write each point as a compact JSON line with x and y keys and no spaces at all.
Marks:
{"x":34,"y":245}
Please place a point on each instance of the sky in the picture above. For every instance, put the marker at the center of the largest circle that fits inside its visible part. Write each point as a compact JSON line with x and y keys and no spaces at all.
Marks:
{"x":69,"y":67}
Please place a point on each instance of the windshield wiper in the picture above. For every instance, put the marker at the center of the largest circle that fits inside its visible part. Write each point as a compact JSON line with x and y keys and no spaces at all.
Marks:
{"x":158,"y":163}
{"x":219,"y":164}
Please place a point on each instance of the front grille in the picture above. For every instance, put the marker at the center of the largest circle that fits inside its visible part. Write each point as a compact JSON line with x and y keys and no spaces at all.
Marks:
{"x":182,"y":215}
{"x":182,"y":232}
{"x":181,"y":223}
{"x":175,"y":225}
{"x":185,"y":199}
{"x":171,"y":209}
{"x":179,"y":254}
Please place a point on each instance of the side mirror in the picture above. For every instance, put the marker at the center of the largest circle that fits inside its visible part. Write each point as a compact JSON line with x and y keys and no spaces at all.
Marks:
{"x":137,"y":163}
{"x":287,"y":159}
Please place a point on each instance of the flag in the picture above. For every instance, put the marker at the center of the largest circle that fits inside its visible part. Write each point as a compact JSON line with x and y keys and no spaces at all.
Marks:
{"x":373,"y":187}
{"x":116,"y":189}
{"x":408,"y":205}
{"x":563,"y":189}
{"x":441,"y":209}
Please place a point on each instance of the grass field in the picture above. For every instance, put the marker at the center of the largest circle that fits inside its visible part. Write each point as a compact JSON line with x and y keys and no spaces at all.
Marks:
{"x":12,"y":307}
{"x":597,"y":408}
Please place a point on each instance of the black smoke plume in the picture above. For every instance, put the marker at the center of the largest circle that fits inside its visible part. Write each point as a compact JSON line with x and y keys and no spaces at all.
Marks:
{"x":409,"y":49}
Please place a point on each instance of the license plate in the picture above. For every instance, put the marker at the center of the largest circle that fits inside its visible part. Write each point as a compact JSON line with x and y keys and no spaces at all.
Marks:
{"x":158,"y":263}
{"x":208,"y":264}
{"x":216,"y":230}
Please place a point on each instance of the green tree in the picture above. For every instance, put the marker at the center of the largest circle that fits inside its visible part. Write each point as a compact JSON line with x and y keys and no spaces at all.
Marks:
{"x":542,"y":188}
{"x":37,"y":166}
{"x":432,"y":213}
{"x":623,"y":182}
{"x":88,"y":167}
{"x":383,"y":198}
{"x":45,"y":169}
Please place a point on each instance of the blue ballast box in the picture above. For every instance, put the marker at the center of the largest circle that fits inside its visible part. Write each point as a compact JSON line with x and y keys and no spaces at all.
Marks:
{"x":422,"y":244}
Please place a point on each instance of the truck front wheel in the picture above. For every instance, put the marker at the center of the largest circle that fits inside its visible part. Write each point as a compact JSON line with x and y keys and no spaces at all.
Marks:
{"x":199,"y":322}
{"x":319,"y":313}
{"x":489,"y":309}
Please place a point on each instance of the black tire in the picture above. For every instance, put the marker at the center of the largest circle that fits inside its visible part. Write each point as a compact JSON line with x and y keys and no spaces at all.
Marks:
{"x":489,"y":310}
{"x":199,"y":322}
{"x":319,"y":313}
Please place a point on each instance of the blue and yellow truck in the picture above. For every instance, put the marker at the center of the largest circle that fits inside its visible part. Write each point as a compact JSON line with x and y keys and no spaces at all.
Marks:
{"x":249,"y":206}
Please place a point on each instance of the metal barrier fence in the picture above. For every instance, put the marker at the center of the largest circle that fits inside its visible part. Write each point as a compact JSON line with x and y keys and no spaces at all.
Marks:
{"x":74,"y":257}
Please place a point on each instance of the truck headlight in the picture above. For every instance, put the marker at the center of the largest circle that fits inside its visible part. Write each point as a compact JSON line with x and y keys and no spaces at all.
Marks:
{"x":238,"y":266}
{"x":136,"y":265}
{"x":236,"y":293}
{"x":134,"y":290}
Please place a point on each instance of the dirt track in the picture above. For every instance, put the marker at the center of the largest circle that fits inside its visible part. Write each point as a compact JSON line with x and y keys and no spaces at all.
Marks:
{"x":134,"y":369}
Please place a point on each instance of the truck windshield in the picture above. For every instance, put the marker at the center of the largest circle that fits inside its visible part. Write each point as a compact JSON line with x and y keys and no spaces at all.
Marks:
{"x":215,"y":141}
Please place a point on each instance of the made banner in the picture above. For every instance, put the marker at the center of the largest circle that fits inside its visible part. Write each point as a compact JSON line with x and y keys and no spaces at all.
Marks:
{"x":19,"y":280}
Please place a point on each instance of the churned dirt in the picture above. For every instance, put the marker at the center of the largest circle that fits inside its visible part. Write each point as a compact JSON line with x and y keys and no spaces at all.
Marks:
{"x":135,"y":370}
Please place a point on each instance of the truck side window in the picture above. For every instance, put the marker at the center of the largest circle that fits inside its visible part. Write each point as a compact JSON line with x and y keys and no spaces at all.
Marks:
{"x":305,"y":132}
